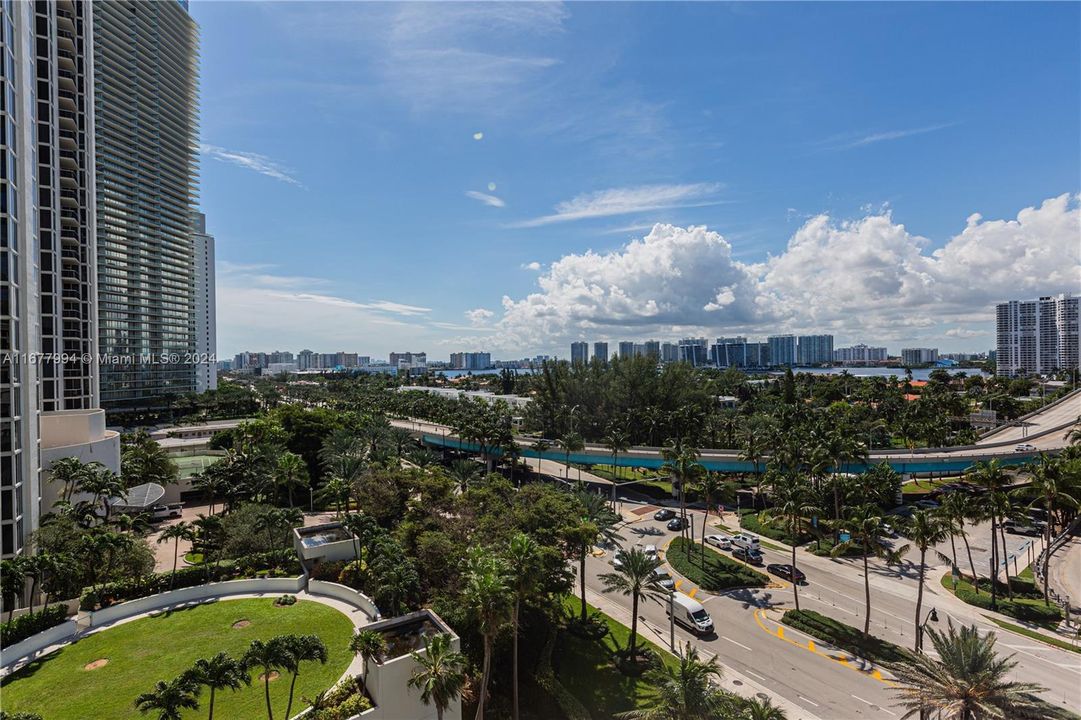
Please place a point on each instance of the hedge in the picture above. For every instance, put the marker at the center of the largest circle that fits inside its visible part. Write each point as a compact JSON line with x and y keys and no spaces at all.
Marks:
{"x":844,"y":636}
{"x":1021,"y":611}
{"x":24,"y":626}
{"x":750,"y":522}
{"x":719,"y":573}
{"x":278,"y":564}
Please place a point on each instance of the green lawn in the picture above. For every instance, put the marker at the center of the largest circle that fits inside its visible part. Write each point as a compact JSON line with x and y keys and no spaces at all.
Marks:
{"x":622,"y":474}
{"x":586,"y":667}
{"x":926,"y":485}
{"x":1057,"y":642}
{"x":844,"y":636}
{"x":1027,"y":603}
{"x":719,"y":572}
{"x":159,"y":648}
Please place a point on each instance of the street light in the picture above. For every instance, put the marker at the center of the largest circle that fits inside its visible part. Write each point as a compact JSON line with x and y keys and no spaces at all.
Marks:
{"x":932,"y":616}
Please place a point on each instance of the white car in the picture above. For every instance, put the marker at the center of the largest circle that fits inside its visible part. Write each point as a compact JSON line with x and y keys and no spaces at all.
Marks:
{"x":1025,"y":447}
{"x":720,"y":541}
{"x":664,"y":579}
{"x":650,"y":551}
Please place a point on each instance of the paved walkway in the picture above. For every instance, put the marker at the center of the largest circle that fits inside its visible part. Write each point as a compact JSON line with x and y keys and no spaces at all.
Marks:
{"x":1064,"y":573}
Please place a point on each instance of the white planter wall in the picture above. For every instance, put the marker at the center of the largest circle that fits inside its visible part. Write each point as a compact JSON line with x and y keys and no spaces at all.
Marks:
{"x":346,"y":595}
{"x":32,"y":646}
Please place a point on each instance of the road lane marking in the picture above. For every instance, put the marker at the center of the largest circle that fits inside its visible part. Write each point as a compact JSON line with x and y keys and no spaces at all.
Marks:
{"x":735,"y":643}
{"x":868,"y":702}
{"x":806,"y":700}
{"x":752,"y":672}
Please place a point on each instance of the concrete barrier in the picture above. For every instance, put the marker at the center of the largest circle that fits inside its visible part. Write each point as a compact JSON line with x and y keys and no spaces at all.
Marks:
{"x":31,"y":647}
{"x":198,"y":593}
{"x":345,"y":594}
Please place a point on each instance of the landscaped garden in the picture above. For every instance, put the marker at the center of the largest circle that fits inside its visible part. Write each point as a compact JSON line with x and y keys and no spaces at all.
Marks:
{"x":716,"y":572}
{"x":101,"y":675}
{"x":1027,"y":603}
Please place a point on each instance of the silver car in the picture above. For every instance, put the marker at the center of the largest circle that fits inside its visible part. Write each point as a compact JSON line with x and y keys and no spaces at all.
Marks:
{"x":722,"y":542}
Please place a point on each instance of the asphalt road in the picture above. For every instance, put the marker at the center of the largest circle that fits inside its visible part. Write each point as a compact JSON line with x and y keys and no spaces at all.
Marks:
{"x":823,"y":685}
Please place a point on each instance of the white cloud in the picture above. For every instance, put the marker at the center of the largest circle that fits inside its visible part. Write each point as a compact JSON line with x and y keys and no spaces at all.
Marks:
{"x":534,"y":266}
{"x":479,"y":316}
{"x":621,"y":201}
{"x":847,"y":142}
{"x":869,"y":278}
{"x":485,"y":198}
{"x":251,"y":161}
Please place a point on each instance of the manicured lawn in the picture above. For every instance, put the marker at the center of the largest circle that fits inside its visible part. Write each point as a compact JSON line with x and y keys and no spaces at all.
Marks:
{"x":159,"y":648}
{"x":586,"y":668}
{"x":751,"y":523}
{"x":1057,"y":642}
{"x":1027,"y":603}
{"x":844,"y":636}
{"x":919,"y":487}
{"x":623,"y":474}
{"x":718,"y":573}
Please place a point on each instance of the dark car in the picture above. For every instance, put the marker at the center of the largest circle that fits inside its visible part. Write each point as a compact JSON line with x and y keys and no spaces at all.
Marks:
{"x":664,"y":514}
{"x":787,"y":572}
{"x":751,"y":557}
{"x":678,"y":523}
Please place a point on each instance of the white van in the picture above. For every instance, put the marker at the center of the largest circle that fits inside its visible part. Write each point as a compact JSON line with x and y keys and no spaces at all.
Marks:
{"x":690,"y":613}
{"x":746,"y":541}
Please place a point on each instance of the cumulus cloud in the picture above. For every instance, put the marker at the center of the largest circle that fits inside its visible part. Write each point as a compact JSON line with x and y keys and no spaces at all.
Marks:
{"x":534,"y":266}
{"x":251,"y":161}
{"x":623,"y":201}
{"x":865,"y":278}
{"x":479,"y":316}
{"x":485,"y":198}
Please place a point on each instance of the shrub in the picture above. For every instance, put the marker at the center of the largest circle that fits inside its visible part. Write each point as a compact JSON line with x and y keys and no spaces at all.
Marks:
{"x":751,"y":523}
{"x":1022,"y":611}
{"x":241,"y":536}
{"x":844,"y":636}
{"x":352,"y":575}
{"x":24,"y":626}
{"x":719,"y":573}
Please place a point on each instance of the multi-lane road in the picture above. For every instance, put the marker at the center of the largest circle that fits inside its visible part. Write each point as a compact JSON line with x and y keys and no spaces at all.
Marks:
{"x":823,"y":684}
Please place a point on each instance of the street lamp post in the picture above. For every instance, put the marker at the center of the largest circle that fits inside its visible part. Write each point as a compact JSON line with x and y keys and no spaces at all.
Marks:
{"x":932,"y":616}
{"x":672,"y":619}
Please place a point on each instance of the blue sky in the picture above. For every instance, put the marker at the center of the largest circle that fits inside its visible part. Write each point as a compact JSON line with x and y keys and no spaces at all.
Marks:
{"x":488,"y":176}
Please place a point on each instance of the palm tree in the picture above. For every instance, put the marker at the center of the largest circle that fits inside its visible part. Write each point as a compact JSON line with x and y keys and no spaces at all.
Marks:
{"x":1053,"y":490}
{"x":956,"y":509}
{"x":371,"y":645}
{"x":865,"y":532}
{"x":523,"y":558}
{"x":616,"y":441}
{"x":12,"y":582}
{"x":102,"y":483}
{"x":926,"y":530}
{"x":597,"y":522}
{"x":439,"y":674}
{"x":178,"y":531}
{"x":685,"y":692}
{"x":752,"y":449}
{"x":69,"y":472}
{"x":710,"y":486}
{"x":270,"y":656}
{"x":292,"y":472}
{"x":169,"y":698}
{"x":571,"y":442}
{"x":464,"y":472}
{"x":992,"y":477}
{"x":220,"y":672}
{"x":969,"y":681}
{"x":540,"y":447}
{"x":635,"y":577}
{"x":300,"y":649}
{"x":487,"y":594}
{"x":792,"y":505}
{"x":682,"y":463}
{"x":755,"y":709}
{"x":336,"y":490}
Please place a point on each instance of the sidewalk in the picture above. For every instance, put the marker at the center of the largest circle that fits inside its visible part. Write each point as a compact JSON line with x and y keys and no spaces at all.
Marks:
{"x":732,"y":680}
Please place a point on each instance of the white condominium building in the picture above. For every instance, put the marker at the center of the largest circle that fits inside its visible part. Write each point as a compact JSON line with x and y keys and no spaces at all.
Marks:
{"x":1037,"y":336}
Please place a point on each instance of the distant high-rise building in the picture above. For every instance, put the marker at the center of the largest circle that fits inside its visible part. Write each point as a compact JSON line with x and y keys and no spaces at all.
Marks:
{"x":470,"y":360}
{"x":626,"y":350}
{"x":600,"y":352}
{"x":814,"y":349}
{"x":694,"y":351}
{"x":304,"y":360}
{"x":860,"y":354}
{"x":1037,"y":336}
{"x":653,"y":349}
{"x":669,"y":352}
{"x":409,"y":360}
{"x":918,"y":356}
{"x":146,"y":143}
{"x":782,"y":350}
{"x":49,"y":409}
{"x":206,"y":342}
{"x":579,"y":352}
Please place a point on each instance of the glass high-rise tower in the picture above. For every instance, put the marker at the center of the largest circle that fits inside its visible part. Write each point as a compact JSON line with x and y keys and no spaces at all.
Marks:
{"x":146,"y":105}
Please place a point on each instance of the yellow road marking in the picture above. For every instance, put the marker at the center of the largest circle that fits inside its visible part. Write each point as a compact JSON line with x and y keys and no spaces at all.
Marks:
{"x":678,"y":583}
{"x":692,"y":592}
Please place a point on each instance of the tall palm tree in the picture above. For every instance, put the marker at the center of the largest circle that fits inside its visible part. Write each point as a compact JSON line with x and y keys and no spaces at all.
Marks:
{"x":710,"y":485}
{"x":685,"y":692}
{"x":464,"y":472}
{"x":1052,"y":490}
{"x":168,"y":699}
{"x":291,"y":472}
{"x":371,"y":645}
{"x":220,"y":672}
{"x":791,"y":508}
{"x":571,"y":442}
{"x":540,"y":447}
{"x":176,"y":532}
{"x":617,"y":441}
{"x":597,"y":522}
{"x":755,"y":709}
{"x":682,"y":463}
{"x":969,"y":681}
{"x":926,"y":529}
{"x":439,"y":674}
{"x":635,"y":577}
{"x":956,"y":509}
{"x":300,"y":649}
{"x":753,"y":449}
{"x":523,"y":558}
{"x":69,"y":472}
{"x":271,"y":656}
{"x":865,"y":531}
{"x":336,"y":490}
{"x":487,"y":594}
{"x":991,"y":477}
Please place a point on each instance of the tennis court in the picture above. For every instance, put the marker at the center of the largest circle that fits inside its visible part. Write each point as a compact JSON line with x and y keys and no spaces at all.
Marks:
{"x":194,"y":464}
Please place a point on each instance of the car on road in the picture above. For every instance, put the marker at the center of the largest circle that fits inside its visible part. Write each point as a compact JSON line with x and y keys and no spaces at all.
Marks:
{"x":1015,"y":528}
{"x":689,"y":612}
{"x":751,"y":557}
{"x":926,"y":504}
{"x":678,"y":523}
{"x":747,"y":542}
{"x":650,"y":551}
{"x":664,"y":578}
{"x":722,"y":542}
{"x":787,"y":572}
{"x":888,"y":530}
{"x":664,"y":514}
{"x":164,"y":512}
{"x":1025,"y":447}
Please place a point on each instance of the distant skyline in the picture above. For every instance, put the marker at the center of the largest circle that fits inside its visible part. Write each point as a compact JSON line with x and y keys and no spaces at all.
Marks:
{"x":514,"y":177}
